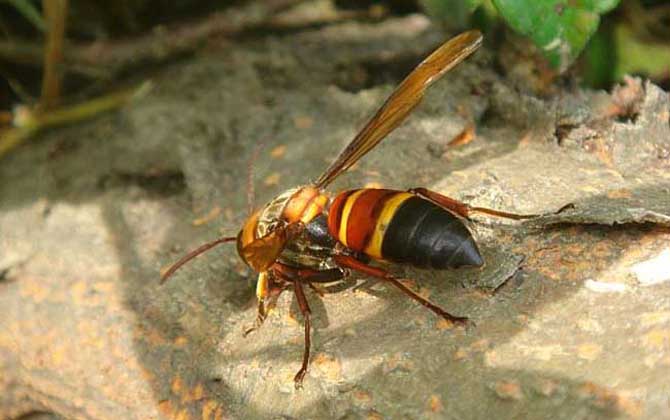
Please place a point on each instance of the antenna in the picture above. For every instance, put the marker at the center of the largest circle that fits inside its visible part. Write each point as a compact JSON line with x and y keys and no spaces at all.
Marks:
{"x":188,"y":257}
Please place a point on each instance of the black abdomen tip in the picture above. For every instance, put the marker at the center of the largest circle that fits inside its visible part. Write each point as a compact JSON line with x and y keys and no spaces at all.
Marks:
{"x":426,"y":235}
{"x":466,"y":256}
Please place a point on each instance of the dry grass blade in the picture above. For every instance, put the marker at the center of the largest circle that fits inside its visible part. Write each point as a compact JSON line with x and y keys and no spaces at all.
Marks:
{"x":31,"y":122}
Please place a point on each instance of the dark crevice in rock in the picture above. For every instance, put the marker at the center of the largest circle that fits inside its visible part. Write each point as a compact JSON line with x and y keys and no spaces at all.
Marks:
{"x":162,"y":184}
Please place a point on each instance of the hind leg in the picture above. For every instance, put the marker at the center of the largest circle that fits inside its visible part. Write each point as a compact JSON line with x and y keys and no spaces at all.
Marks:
{"x":356,"y":265}
{"x":464,"y":209}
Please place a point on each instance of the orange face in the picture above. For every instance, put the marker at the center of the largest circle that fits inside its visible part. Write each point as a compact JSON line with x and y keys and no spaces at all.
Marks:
{"x":265,"y":234}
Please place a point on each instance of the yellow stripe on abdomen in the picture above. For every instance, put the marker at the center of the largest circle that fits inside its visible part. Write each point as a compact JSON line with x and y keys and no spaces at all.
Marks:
{"x":374,"y":248}
{"x":346,"y":210}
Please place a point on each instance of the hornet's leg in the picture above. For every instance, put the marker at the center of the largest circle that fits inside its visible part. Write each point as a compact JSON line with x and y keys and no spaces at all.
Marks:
{"x":356,"y":265}
{"x":306,"y":314}
{"x":464,"y":209}
{"x":298,"y":276}
{"x":267,"y":293}
{"x":307,"y":275}
{"x":260,"y":318}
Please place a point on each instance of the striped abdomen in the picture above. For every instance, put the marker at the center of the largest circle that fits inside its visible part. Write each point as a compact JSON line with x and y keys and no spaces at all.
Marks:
{"x":401,"y":227}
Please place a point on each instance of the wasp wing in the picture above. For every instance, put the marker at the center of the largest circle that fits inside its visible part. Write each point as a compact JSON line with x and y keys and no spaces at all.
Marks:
{"x":402,"y":101}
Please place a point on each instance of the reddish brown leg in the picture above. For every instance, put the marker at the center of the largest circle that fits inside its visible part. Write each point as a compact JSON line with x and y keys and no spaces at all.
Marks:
{"x":354,"y":264}
{"x":463,"y":209}
{"x":316,"y":289}
{"x":306,"y":313}
{"x":298,"y":276}
{"x":307,"y":275}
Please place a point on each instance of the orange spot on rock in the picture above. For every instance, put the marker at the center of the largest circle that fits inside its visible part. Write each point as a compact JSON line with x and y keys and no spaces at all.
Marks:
{"x":154,"y":337}
{"x":180,"y":341}
{"x":648,"y":319}
{"x":491,"y":358}
{"x":104,"y":286}
{"x":196,"y":393}
{"x":177,"y":385}
{"x":424,"y":292}
{"x":303,"y":122}
{"x":435,"y":404}
{"x":464,"y":137}
{"x":208,"y":409}
{"x":329,"y":366}
{"x":589,"y":351}
{"x":443,"y":324}
{"x":32,"y":288}
{"x":480,"y":345}
{"x":509,"y":390}
{"x":409,"y":283}
{"x":362,"y":397}
{"x":461,"y":354}
{"x":397,"y":361}
{"x":656,"y":339}
{"x":182,"y":415}
{"x":57,"y":355}
{"x":619,"y":193}
{"x":374,"y":415}
{"x":272,"y":179}
{"x":278,"y":151}
{"x":604,"y":397}
{"x":211,"y":215}
{"x":165,"y":407}
{"x":526,"y":139}
{"x":548,"y":387}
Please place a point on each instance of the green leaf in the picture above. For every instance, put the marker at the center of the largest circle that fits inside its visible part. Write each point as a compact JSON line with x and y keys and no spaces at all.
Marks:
{"x":560,"y":28}
{"x":604,"y":6}
{"x":29,"y":11}
{"x":599,"y":58}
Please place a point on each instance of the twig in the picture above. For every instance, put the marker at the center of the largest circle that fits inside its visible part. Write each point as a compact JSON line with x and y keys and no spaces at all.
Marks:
{"x":55,"y":12}
{"x":107,"y":59}
{"x":29,"y":123}
{"x":32,"y":54}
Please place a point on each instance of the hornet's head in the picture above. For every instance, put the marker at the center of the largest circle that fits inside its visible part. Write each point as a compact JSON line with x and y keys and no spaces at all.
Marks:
{"x":267,"y":231}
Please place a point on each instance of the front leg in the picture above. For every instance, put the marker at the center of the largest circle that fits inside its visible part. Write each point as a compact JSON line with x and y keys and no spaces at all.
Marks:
{"x":267,"y":293}
{"x":306,"y":314}
{"x":277,"y":279}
